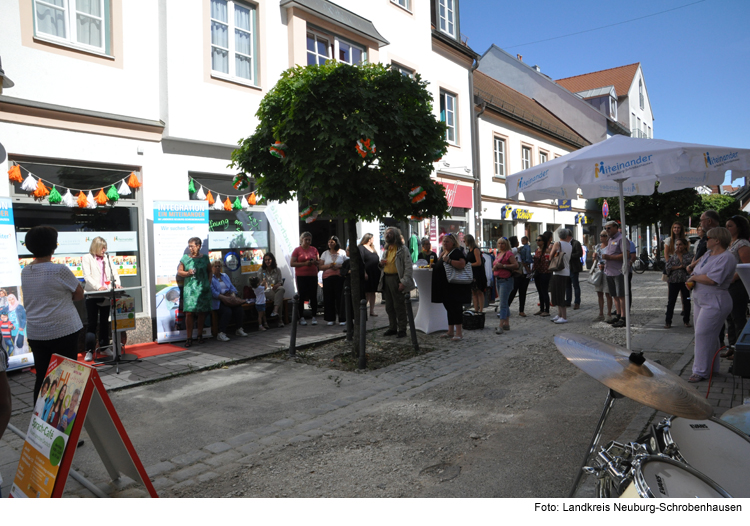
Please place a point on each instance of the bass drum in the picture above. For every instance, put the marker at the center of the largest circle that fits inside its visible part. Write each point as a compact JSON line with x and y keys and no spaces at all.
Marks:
{"x":664,"y":478}
{"x":712,"y":447}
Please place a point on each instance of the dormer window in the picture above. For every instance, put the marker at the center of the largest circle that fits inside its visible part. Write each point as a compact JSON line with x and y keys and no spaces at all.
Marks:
{"x":447,"y":17}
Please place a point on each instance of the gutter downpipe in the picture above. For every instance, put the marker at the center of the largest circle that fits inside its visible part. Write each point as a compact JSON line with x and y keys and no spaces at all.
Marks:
{"x":475,"y":156}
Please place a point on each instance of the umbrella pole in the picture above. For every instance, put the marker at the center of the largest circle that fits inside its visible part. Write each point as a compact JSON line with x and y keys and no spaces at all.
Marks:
{"x":625,"y":260}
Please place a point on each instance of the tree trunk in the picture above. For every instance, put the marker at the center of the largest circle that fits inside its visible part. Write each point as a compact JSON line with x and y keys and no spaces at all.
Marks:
{"x":356,"y":263}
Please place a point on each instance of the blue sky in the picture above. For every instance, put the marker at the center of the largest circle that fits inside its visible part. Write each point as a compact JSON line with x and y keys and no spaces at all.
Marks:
{"x":696,"y":60}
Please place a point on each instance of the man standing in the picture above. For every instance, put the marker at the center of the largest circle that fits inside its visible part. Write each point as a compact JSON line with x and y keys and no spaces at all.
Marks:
{"x":613,"y":270}
{"x":395,"y":280}
{"x":524,"y":257}
{"x":709,"y":220}
{"x":575,"y":268}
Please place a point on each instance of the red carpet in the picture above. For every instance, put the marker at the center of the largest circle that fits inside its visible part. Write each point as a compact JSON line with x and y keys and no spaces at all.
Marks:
{"x":145,"y":350}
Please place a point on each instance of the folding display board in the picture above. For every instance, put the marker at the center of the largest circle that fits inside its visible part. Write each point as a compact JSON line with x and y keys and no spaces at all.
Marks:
{"x":73,"y":399}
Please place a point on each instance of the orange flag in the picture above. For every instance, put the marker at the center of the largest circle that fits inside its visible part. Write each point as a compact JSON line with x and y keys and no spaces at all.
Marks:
{"x":228,"y":205}
{"x":82,"y":201}
{"x":210,"y":199}
{"x":252,"y":200}
{"x":14,"y":174}
{"x":41,"y":190}
{"x":133,"y":181}
{"x":101,"y":197}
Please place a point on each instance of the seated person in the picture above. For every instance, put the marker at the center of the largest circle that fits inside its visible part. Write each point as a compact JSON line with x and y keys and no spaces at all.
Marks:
{"x":221,"y":285}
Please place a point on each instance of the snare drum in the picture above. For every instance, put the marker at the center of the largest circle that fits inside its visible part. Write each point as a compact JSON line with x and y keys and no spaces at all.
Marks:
{"x":664,"y":478}
{"x":712,"y":447}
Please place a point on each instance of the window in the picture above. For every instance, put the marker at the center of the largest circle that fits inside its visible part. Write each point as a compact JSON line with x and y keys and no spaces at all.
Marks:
{"x":406,"y":4}
{"x":640,"y":92}
{"x":317,"y":50}
{"x":403,"y":70}
{"x":448,"y":115}
{"x":233,"y":40}
{"x":321,"y":48}
{"x":447,"y":17}
{"x":525,"y":157}
{"x":81,"y":23}
{"x":613,"y":108}
{"x":650,"y":133}
{"x":499,"y":157}
{"x":542,"y":157}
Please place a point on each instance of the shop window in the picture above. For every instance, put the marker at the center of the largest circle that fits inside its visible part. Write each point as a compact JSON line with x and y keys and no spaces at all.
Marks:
{"x":83,"y":24}
{"x":233,"y":41}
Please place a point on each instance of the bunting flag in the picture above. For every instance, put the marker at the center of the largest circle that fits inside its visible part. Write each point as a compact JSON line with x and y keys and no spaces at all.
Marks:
{"x":278,"y":149}
{"x":228,"y":205}
{"x":251,"y":200}
{"x":200,"y":195}
{"x":210,"y":198}
{"x":237,"y":205}
{"x":218,"y":204}
{"x":245,"y":204}
{"x":241,"y":182}
{"x":39,"y":190}
{"x":14,"y":174}
{"x":82,"y":201}
{"x":191,"y":186}
{"x":133,"y":181}
{"x":68,"y":199}
{"x":101,"y":198}
{"x":54,"y":196}
{"x":417,"y":194}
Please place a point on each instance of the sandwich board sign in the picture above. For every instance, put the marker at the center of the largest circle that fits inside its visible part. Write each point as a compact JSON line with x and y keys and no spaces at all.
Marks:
{"x":72,"y":397}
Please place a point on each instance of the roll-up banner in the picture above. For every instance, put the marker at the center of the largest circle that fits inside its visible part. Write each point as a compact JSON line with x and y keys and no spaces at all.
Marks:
{"x":174,"y":223}
{"x":12,"y":313}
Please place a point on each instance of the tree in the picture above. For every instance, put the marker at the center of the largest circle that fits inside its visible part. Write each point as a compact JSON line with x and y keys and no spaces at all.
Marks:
{"x":318,"y":114}
{"x":725,"y":205}
{"x":666,"y":208}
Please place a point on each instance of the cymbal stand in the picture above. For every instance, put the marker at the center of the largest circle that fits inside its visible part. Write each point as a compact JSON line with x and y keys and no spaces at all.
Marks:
{"x":608,"y":403}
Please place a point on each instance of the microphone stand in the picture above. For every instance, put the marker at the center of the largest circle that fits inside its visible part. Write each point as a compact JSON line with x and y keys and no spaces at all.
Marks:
{"x":118,"y":356}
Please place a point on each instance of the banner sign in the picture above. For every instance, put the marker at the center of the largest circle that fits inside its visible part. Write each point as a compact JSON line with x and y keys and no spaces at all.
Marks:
{"x":72,"y":396}
{"x":286,"y":237}
{"x":80,"y":242}
{"x":564,"y":205}
{"x":12,"y":312}
{"x":174,"y":223}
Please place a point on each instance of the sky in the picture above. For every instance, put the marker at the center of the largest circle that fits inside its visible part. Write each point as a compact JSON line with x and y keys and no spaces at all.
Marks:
{"x":695,"y":59}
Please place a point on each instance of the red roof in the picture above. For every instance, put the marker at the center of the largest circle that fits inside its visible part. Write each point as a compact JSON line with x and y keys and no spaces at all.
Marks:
{"x":621,"y":78}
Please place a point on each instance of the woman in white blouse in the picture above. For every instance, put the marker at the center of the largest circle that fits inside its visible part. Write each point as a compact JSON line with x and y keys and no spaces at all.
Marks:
{"x":333,"y":284}
{"x":97,"y":273}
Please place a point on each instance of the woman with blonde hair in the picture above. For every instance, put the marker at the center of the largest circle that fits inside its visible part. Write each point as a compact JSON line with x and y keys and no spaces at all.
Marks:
{"x":505,"y":262}
{"x":97,"y":274}
{"x":451,"y":295}
{"x":677,"y":232}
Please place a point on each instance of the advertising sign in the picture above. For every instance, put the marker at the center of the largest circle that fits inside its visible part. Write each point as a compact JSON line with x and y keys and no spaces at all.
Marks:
{"x":125,"y":308}
{"x":80,"y":242}
{"x":12,"y":312}
{"x":174,"y":223}
{"x":72,"y":397}
{"x":564,"y":205}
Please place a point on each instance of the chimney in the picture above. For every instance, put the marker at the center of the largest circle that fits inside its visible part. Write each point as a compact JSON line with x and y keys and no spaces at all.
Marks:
{"x":520,"y":57}
{"x":537,"y":68}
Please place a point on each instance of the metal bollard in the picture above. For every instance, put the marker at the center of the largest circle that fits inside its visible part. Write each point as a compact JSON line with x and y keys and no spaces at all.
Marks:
{"x":348,"y":310}
{"x":410,"y":318}
{"x":293,"y":335}
{"x":362,"y":334}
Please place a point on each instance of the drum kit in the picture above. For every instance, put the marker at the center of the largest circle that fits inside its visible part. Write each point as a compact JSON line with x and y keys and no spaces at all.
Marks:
{"x":687,"y":455}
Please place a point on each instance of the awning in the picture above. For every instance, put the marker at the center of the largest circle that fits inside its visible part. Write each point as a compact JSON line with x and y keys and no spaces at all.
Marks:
{"x":458,"y":196}
{"x":339,"y":16}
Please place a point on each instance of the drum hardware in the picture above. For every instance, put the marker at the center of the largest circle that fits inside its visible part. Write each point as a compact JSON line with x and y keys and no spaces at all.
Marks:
{"x":739,"y":417}
{"x":655,"y":476}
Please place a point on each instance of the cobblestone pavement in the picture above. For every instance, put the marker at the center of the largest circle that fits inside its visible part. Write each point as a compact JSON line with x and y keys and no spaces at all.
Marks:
{"x":359,"y":394}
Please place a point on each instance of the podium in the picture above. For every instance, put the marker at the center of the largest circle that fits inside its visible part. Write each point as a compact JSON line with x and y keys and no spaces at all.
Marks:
{"x":121,"y":318}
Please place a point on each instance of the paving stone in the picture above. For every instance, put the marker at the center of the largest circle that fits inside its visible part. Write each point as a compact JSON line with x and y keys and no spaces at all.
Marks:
{"x":161,"y":467}
{"x":286,"y":422}
{"x":272,"y":440}
{"x":190,"y":471}
{"x":207,"y":476}
{"x":183,"y":484}
{"x":161,"y":483}
{"x":299,"y":438}
{"x":243,"y":439}
{"x":132,"y":493}
{"x":190,"y":457}
{"x":249,"y":448}
{"x":223,"y":458}
{"x":218,"y":447}
{"x":267,"y":430}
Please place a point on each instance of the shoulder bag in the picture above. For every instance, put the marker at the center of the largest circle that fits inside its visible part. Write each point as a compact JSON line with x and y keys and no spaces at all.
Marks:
{"x":556,"y":262}
{"x":455,"y":276}
{"x":231,"y":300}
{"x":596,"y":276}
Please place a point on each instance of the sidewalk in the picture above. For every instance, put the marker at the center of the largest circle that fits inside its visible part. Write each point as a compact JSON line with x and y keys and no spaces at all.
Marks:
{"x":198,"y":357}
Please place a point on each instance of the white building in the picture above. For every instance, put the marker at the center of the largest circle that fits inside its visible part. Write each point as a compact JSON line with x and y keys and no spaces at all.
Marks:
{"x":165,"y":89}
{"x":516,"y":133}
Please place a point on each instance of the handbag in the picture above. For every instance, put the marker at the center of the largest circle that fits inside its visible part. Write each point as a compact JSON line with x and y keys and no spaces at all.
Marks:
{"x":556,"y":263}
{"x":455,"y":276}
{"x":596,"y":277}
{"x":231,"y":300}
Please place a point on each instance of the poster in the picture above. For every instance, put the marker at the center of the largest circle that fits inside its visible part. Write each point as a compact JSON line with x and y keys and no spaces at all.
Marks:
{"x":80,"y":242}
{"x":174,"y":223}
{"x":49,"y":431}
{"x":125,"y":309}
{"x":12,"y":312}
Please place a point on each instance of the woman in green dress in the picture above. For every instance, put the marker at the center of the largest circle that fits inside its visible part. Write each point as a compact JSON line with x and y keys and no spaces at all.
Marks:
{"x":195,"y":268}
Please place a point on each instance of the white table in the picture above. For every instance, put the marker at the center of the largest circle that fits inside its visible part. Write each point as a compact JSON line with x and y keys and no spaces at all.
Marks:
{"x":431,"y":317}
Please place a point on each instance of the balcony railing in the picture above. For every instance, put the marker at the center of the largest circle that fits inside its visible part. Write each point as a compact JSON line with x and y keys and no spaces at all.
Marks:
{"x":638,"y":134}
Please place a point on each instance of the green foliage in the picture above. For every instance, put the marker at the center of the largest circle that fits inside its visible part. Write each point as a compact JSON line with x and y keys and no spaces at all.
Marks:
{"x":725,"y":205}
{"x":319,"y":113}
{"x":650,"y":209}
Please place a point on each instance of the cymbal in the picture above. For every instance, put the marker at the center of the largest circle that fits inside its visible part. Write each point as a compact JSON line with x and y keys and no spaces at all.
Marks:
{"x":738,"y":417}
{"x":649,"y":384}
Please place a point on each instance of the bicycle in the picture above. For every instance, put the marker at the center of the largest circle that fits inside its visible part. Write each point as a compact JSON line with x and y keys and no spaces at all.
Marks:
{"x":639,"y":267}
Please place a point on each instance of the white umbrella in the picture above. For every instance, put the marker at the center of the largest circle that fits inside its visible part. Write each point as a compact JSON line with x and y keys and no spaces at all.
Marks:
{"x":625,"y":166}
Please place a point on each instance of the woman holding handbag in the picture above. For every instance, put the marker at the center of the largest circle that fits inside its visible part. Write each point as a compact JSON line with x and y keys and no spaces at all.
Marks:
{"x":448,"y":288}
{"x":542,"y":274}
{"x":505,"y":263}
{"x":601,"y":287}
{"x":677,"y":276}
{"x":561,"y":278}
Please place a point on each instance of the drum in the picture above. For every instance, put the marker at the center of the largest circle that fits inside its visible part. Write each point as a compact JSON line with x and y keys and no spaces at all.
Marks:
{"x":738,"y":417}
{"x":712,"y":447}
{"x":664,"y":478}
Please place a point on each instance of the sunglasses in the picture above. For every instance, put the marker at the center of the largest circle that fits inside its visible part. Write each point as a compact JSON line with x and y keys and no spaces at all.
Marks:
{"x":539,"y":239}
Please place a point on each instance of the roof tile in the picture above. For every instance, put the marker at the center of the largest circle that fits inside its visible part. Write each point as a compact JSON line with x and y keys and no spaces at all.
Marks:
{"x":621,"y":78}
